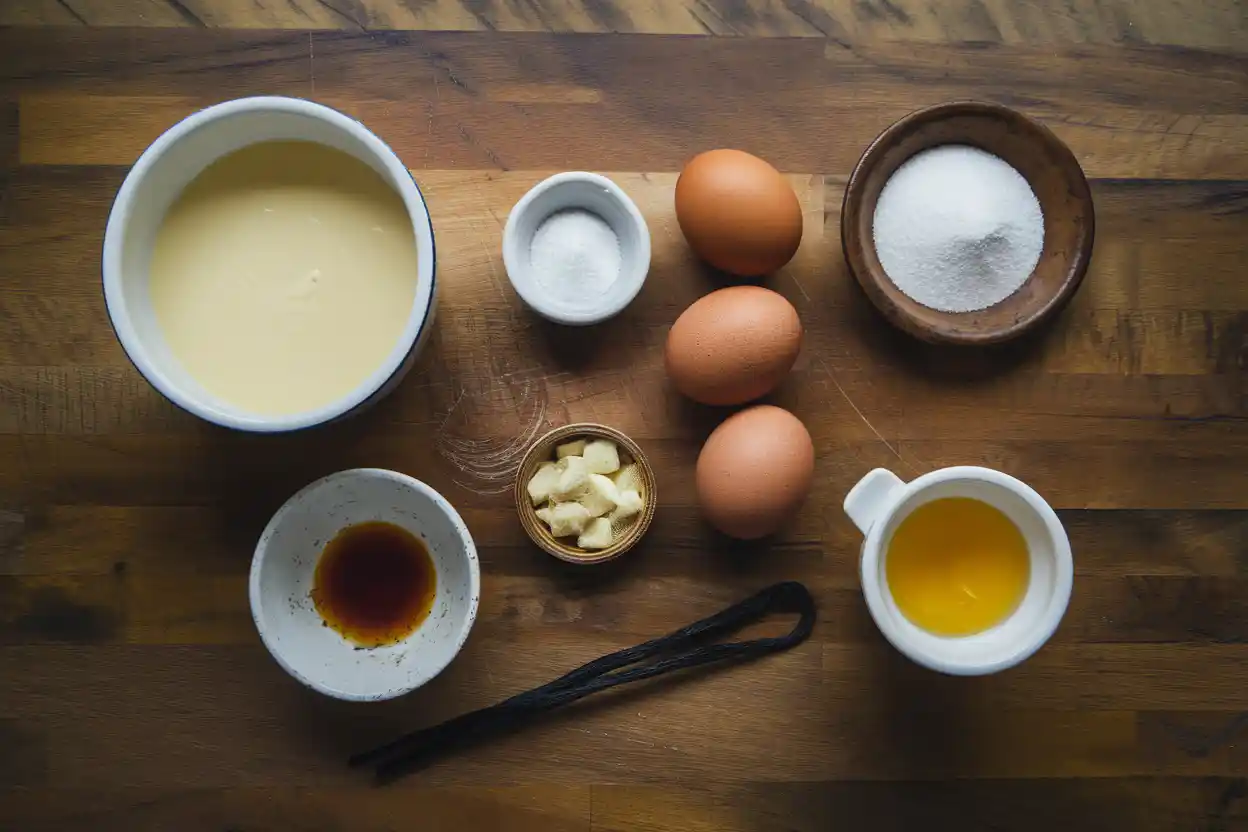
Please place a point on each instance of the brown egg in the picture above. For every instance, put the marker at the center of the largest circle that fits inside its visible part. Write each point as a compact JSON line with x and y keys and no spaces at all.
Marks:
{"x":754,"y":472}
{"x":733,"y":345}
{"x":738,"y":213}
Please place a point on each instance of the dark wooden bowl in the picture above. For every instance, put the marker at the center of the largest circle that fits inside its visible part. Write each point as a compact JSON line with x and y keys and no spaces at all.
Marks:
{"x":1044,"y":161}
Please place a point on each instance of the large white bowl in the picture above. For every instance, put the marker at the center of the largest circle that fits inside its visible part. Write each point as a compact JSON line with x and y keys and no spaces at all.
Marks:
{"x":154,"y":183}
{"x":285,"y":562}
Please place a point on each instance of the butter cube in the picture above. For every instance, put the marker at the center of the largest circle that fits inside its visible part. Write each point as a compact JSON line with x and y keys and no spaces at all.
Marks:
{"x":628,"y":478}
{"x":627,"y":504}
{"x":600,"y":496}
{"x":543,"y":482}
{"x":597,"y":535}
{"x":573,"y":479}
{"x":602,"y":456}
{"x":564,"y":519}
{"x":574,"y":448}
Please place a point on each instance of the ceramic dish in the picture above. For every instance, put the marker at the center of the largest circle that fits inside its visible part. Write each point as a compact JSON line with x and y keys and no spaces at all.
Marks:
{"x":1049,"y":168}
{"x":881,"y":501}
{"x":600,"y":196}
{"x":284,"y":564}
{"x":626,"y":536}
{"x":156,"y":181}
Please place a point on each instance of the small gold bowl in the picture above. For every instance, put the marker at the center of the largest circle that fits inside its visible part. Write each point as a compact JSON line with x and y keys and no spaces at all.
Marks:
{"x":543,"y":450}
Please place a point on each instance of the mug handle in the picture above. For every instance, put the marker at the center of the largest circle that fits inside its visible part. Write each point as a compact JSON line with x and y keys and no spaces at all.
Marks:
{"x":866,"y":500}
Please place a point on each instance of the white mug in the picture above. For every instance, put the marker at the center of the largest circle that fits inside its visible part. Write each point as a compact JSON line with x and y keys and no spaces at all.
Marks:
{"x":878,"y":504}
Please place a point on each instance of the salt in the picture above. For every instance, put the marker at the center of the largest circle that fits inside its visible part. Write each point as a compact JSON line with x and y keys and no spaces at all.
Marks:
{"x":958,"y":229}
{"x":575,"y":256}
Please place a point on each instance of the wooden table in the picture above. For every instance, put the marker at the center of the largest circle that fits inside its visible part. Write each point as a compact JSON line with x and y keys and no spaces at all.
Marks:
{"x":134,"y":693}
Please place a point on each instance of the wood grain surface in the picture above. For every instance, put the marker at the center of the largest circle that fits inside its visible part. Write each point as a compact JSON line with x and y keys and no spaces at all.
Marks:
{"x":134,"y":692}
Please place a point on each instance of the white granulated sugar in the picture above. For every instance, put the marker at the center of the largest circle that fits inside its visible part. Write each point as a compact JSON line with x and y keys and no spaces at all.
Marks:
{"x":957,"y":229}
{"x":575,"y":256}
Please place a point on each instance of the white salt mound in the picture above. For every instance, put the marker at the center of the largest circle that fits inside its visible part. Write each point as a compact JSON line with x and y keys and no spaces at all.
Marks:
{"x":958,"y":229}
{"x":576,"y":257}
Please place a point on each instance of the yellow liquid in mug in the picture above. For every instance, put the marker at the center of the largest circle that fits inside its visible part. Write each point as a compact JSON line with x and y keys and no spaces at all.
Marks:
{"x":957,"y":566}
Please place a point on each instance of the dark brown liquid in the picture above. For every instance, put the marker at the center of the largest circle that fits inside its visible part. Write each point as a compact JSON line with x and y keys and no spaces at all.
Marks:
{"x":374,"y":584}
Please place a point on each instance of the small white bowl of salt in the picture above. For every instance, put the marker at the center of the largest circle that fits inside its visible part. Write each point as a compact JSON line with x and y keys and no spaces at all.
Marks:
{"x":576,"y":248}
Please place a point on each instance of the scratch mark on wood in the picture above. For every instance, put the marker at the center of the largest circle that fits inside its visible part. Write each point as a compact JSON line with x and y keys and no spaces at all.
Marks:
{"x":471,"y":140}
{"x":817,"y":19}
{"x":443,"y":63}
{"x":186,"y":14}
{"x":865,"y":9}
{"x":478,"y":11}
{"x":702,"y":23}
{"x":341,"y":14}
{"x":836,"y":383}
{"x":9,"y":389}
{"x":299,"y":10}
{"x":898,"y":13}
{"x":64,"y":4}
{"x":490,"y":465}
{"x":429,"y":133}
{"x":706,"y":9}
{"x":485,"y":252}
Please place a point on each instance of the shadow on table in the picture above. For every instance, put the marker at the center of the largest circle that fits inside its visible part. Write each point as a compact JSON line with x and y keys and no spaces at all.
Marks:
{"x":949,"y":364}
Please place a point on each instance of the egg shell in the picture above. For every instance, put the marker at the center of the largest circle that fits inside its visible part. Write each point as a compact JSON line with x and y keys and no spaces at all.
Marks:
{"x":738,"y":213}
{"x":733,"y":346}
{"x":755,"y":471}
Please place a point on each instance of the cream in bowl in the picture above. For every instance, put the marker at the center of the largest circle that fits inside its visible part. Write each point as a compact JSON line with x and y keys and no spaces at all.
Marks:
{"x":269,"y":265}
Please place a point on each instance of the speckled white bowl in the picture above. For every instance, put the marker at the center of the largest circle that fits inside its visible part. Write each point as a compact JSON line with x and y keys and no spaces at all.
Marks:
{"x":285,"y":561}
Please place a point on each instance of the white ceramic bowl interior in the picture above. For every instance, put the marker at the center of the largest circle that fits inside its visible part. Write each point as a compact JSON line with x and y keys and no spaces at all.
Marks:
{"x":1048,"y":592}
{"x":285,"y":560}
{"x":596,"y":194}
{"x":154,"y":183}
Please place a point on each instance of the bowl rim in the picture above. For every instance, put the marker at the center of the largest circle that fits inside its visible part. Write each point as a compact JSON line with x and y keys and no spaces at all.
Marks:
{"x":532,"y":525}
{"x":260,"y":554}
{"x":414,"y":331}
{"x":851,"y":210}
{"x":517,"y":271}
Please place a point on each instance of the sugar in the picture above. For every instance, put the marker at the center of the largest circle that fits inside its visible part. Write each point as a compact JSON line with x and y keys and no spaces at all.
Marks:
{"x":958,"y":229}
{"x":575,"y":256}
